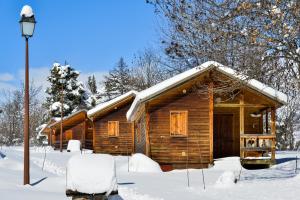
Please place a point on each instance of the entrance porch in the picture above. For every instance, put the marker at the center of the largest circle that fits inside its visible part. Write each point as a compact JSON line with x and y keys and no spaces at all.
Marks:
{"x":245,"y":127}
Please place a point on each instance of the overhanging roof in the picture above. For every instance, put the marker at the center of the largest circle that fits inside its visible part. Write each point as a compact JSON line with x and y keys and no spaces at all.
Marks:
{"x":71,"y":120}
{"x":111,"y":104}
{"x":189,"y":74}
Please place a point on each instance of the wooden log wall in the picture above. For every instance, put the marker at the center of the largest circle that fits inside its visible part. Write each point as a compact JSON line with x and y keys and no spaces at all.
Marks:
{"x":120,"y":145}
{"x":168,"y":149}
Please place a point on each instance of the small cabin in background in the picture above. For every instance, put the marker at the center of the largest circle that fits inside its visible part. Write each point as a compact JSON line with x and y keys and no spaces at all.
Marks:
{"x":45,"y":132}
{"x":208,"y":112}
{"x":112,"y":133}
{"x":77,"y":126}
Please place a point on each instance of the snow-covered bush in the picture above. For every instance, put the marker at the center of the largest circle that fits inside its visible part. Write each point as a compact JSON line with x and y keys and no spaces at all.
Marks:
{"x":91,"y":174}
{"x":141,"y":163}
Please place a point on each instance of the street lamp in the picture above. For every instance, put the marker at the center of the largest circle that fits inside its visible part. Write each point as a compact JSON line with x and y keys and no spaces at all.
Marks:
{"x":27,"y":23}
{"x":62,"y":81}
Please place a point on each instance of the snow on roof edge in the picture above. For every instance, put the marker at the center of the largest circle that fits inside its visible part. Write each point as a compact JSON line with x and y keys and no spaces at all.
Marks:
{"x":68,"y":117}
{"x":256,"y":85}
{"x":179,"y":78}
{"x":104,"y":105}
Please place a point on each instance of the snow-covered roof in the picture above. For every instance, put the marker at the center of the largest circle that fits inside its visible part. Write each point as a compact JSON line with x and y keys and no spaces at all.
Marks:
{"x":110,"y":103}
{"x":26,"y":11}
{"x":58,"y":120}
{"x":189,"y":74}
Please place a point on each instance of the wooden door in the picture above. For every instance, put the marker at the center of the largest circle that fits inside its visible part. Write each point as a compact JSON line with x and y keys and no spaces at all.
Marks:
{"x":223,"y":135}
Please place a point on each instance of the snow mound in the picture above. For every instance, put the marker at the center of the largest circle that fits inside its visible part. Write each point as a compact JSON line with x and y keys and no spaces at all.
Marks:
{"x":226,"y":179}
{"x":141,"y":163}
{"x":73,"y":145}
{"x":26,"y":11}
{"x":11,"y":165}
{"x":91,"y":174}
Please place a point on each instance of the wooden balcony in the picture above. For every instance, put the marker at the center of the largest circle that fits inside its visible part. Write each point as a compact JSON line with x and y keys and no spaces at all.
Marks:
{"x":257,"y":148}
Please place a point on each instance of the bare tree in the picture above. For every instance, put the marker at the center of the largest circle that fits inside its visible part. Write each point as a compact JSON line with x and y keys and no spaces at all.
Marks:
{"x":147,"y":69}
{"x":11,"y":124}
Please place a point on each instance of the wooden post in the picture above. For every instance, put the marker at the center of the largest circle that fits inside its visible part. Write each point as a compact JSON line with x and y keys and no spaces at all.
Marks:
{"x":50,"y":135}
{"x":84,"y":133}
{"x":261,"y":123}
{"x":267,"y":121}
{"x":211,"y":120}
{"x":242,"y":124}
{"x":133,"y":137}
{"x":273,"y":132}
{"x":94,"y":135}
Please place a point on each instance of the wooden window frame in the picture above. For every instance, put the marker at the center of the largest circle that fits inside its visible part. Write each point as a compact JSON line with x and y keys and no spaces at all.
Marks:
{"x":186,"y":125}
{"x":118,"y":129}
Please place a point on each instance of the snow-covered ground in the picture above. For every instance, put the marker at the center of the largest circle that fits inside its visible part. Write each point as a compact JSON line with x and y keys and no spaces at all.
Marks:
{"x":278,"y":182}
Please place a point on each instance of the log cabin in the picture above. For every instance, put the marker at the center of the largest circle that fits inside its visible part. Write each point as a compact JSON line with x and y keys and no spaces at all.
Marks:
{"x":112,"y":133}
{"x":77,"y":126}
{"x":205,"y":113}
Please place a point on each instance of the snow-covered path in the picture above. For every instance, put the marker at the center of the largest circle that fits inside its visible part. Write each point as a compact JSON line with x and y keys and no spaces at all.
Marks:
{"x":278,"y":182}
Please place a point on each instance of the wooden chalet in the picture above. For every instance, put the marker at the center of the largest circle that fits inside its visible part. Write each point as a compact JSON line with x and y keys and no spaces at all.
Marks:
{"x":77,"y":126}
{"x":112,"y":133}
{"x":205,"y":113}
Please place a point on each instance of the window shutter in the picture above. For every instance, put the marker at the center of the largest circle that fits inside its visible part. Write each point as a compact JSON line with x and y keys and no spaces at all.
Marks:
{"x":113,"y":128}
{"x":178,"y":123}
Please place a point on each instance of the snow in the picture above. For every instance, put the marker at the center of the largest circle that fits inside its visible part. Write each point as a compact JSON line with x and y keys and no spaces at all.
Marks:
{"x":276,"y":183}
{"x":41,"y":128}
{"x":73,"y":145}
{"x":189,"y":74}
{"x":226,"y":179}
{"x":112,"y":102}
{"x":91,"y":174}
{"x":26,"y":11}
{"x":57,"y":106}
{"x":141,"y":163}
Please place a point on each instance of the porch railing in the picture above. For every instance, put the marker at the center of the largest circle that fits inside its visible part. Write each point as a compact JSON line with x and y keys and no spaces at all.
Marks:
{"x":257,"y":145}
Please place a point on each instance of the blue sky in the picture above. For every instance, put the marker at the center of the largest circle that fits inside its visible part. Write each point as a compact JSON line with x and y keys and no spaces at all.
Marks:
{"x":90,"y":34}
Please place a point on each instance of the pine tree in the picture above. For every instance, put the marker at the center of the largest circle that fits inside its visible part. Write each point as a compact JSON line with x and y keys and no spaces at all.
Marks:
{"x":94,"y":95}
{"x":118,"y":81}
{"x":75,"y":96}
{"x":92,"y":85}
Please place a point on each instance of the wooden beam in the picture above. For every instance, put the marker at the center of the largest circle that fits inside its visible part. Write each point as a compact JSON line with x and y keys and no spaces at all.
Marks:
{"x":211,"y":120}
{"x":235,"y":105}
{"x":242,"y":124}
{"x":273,"y":131}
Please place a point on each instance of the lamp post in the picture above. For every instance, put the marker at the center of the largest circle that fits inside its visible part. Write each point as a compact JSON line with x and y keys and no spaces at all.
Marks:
{"x":62,"y":82}
{"x":27,"y":23}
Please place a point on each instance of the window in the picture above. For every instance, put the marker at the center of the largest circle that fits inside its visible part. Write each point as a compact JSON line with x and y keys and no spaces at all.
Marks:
{"x":178,"y":123}
{"x":113,"y":128}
